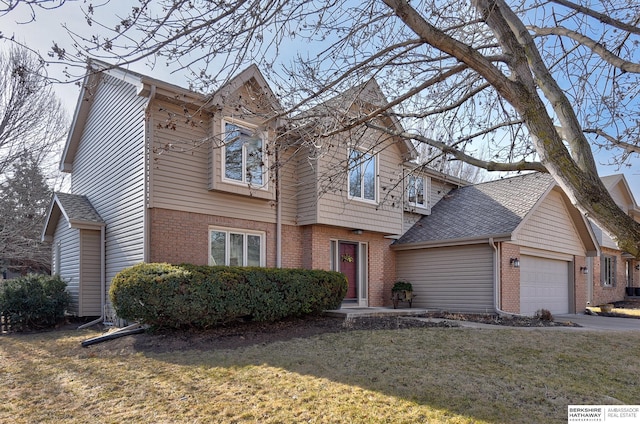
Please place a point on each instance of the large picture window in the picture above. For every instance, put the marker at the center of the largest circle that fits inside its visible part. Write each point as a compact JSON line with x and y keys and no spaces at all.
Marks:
{"x":417,"y":188}
{"x":243,"y":154}
{"x":235,"y":248}
{"x":362,"y":175}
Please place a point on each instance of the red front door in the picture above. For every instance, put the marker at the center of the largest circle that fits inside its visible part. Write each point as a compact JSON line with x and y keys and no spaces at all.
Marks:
{"x":349,"y":267}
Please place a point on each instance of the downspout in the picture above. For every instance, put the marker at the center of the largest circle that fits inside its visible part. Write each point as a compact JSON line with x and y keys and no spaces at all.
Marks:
{"x":278,"y":213}
{"x":146,"y":201}
{"x":103,"y":282}
{"x":497,"y":282}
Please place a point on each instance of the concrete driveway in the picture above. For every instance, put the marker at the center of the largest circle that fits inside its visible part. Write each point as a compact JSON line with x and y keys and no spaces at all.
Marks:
{"x":593,"y":322}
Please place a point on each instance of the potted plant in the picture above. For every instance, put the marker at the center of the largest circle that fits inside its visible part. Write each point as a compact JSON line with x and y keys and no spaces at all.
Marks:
{"x":402,"y":291}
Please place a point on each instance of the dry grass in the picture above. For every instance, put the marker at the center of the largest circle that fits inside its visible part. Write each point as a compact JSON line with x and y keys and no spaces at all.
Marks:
{"x":434,"y":375}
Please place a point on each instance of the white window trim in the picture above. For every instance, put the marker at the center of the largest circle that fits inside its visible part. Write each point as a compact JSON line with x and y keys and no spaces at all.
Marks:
{"x":374,"y":154}
{"x":426,"y":186}
{"x":228,"y":231}
{"x":609,"y":280}
{"x":263,"y":137}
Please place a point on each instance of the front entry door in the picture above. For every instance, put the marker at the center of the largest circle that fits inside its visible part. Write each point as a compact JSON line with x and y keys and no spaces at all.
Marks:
{"x":348,"y":260}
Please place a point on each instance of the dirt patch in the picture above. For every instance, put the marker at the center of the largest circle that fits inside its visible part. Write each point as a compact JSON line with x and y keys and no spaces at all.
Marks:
{"x":511,"y":321}
{"x":243,"y":334}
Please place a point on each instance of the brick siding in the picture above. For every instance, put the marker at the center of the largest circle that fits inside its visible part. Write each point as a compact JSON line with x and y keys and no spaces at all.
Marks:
{"x":178,"y":237}
{"x":509,"y":278}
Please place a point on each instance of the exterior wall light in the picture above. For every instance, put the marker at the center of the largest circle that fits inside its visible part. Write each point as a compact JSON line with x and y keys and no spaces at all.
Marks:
{"x":584,"y":270}
{"x":515,"y":262}
{"x":356,"y":232}
{"x":638,"y":267}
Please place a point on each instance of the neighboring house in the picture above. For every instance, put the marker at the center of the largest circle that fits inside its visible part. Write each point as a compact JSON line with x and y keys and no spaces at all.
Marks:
{"x":515,"y":245}
{"x":162,"y":174}
{"x":614,"y":270}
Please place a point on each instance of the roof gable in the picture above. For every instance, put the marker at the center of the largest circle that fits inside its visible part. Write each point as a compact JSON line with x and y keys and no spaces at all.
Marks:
{"x":492,"y":209}
{"x":620,"y":192}
{"x":360,"y":100}
{"x":496,"y":210}
{"x":77,"y":211}
{"x":252,"y":78}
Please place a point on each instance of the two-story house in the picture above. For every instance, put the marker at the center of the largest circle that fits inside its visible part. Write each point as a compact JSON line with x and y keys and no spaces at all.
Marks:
{"x":162,"y":174}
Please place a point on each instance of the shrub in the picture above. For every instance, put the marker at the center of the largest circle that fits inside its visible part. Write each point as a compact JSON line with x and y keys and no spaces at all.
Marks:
{"x":164,"y":295}
{"x":544,"y":315}
{"x":33,"y":301}
{"x":402,"y":286}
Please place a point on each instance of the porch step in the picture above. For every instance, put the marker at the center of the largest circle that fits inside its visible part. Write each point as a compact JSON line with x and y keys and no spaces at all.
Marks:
{"x":348,"y":313}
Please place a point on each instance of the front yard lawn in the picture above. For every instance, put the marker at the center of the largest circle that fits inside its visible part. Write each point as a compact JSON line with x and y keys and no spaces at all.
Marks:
{"x":435,"y":375}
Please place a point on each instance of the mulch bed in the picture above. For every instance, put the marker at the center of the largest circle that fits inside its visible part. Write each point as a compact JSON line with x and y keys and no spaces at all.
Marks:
{"x":243,"y":334}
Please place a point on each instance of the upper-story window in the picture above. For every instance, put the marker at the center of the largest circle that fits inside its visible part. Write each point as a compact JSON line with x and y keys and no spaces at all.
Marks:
{"x":362,"y":175}
{"x":417,"y":191}
{"x":243,"y":154}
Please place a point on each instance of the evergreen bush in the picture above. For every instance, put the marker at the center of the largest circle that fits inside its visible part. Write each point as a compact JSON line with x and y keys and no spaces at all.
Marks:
{"x":175,"y":296}
{"x":33,"y":301}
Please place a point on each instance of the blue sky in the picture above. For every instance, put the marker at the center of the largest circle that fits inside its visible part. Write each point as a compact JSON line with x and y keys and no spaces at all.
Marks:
{"x":39,"y":35}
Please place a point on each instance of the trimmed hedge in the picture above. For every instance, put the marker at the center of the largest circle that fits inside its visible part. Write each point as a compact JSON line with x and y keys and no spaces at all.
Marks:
{"x":164,"y":295}
{"x":33,"y":301}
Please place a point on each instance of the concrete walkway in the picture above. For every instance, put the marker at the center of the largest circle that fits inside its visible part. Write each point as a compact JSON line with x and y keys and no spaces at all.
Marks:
{"x":586,"y":322}
{"x":593,"y":322}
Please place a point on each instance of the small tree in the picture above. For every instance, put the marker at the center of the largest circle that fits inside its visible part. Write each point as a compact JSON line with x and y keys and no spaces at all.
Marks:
{"x":24,"y":197}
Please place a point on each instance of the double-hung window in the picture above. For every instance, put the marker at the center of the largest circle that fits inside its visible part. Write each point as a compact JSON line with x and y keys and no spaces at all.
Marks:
{"x":362,"y":175}
{"x":608,"y":270}
{"x":236,"y":247}
{"x":243,"y":155}
{"x":417,"y":191}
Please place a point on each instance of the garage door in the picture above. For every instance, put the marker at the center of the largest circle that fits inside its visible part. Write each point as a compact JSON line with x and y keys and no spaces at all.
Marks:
{"x":454,"y":279}
{"x":544,"y":284}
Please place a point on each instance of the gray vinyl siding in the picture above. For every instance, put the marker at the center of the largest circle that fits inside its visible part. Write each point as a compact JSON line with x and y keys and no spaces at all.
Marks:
{"x":109,"y":169}
{"x":327,"y":201}
{"x":90,"y":263}
{"x":289,"y":190}
{"x":181,"y":175}
{"x":551,"y":228}
{"x":307,"y":189}
{"x":69,"y":241}
{"x":454,"y":279}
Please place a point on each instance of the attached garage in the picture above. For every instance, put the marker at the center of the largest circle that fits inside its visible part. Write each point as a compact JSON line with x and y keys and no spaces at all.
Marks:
{"x":539,"y":240}
{"x":431,"y":272}
{"x":544,"y":284}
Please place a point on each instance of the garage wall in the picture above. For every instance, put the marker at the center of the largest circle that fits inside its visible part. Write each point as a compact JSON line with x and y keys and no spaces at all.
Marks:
{"x":455,"y":279}
{"x":551,"y":228}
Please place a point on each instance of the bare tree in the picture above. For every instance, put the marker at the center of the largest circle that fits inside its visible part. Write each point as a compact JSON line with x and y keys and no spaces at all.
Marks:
{"x":32,"y":119}
{"x":537,"y":83}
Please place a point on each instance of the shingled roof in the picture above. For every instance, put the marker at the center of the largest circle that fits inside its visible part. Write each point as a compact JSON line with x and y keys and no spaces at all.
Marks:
{"x":77,"y":210}
{"x":491,"y":209}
